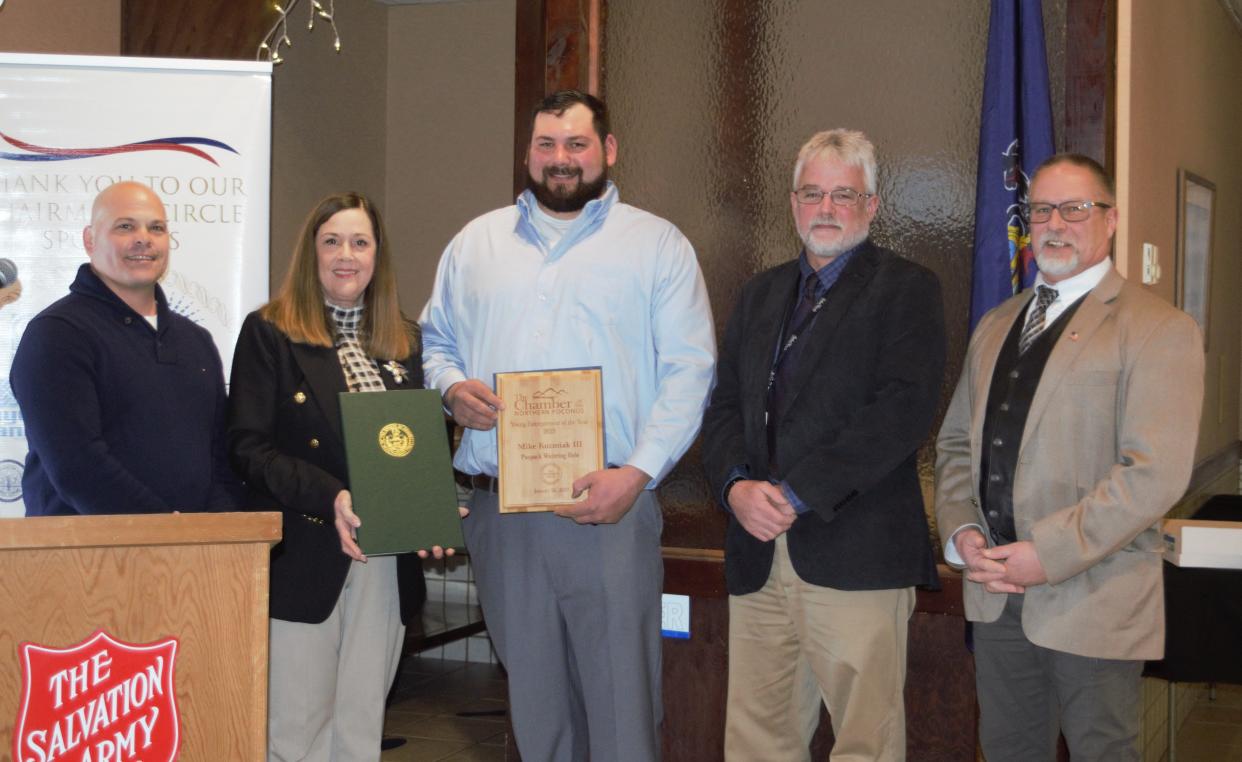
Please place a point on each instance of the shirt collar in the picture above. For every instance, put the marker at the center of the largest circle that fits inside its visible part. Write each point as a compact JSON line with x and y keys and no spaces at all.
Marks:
{"x":594,"y":209}
{"x":1073,"y":288}
{"x":346,"y":319}
{"x":88,"y":283}
{"x":829,"y":273}
{"x":590,"y":216}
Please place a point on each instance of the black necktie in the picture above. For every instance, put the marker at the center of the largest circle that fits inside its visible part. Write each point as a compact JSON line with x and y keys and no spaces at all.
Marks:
{"x":799,"y":324}
{"x":787,"y":357}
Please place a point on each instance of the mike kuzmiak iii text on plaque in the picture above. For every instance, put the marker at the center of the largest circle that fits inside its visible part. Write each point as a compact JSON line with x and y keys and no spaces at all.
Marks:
{"x":550,"y":432}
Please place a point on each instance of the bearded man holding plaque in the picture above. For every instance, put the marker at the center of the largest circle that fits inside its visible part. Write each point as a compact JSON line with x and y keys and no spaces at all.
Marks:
{"x":570,"y":277}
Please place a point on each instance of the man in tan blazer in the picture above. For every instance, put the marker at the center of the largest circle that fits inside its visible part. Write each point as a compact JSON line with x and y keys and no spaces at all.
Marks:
{"x":1072,"y":431}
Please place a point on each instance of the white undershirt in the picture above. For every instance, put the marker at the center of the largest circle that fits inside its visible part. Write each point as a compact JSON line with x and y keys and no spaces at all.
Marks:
{"x":551,"y":229}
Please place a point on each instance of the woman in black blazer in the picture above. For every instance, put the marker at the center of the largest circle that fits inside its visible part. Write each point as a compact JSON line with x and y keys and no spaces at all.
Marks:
{"x":337,"y":624}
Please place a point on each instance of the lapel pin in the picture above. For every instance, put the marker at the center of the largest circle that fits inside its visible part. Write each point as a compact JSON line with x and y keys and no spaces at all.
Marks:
{"x":397,"y":370}
{"x":1073,"y":335}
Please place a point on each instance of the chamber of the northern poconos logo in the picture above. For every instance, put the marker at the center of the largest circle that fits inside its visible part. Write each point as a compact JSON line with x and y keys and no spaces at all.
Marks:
{"x":102,"y":700}
{"x":549,"y":401}
{"x":186,"y":145}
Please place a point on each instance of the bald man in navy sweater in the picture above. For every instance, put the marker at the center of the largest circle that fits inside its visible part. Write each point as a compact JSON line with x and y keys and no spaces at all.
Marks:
{"x":123,"y":399}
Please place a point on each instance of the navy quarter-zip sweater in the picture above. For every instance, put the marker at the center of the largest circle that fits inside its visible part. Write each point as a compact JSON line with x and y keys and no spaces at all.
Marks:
{"x":120,"y":417}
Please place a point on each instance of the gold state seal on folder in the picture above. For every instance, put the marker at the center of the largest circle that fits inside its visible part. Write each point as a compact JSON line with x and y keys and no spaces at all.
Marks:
{"x":402,"y":488}
{"x":396,"y":439}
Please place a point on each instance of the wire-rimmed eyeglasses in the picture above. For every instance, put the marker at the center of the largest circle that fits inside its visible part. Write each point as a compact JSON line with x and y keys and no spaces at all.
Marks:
{"x":1070,"y":211}
{"x":839,"y":196}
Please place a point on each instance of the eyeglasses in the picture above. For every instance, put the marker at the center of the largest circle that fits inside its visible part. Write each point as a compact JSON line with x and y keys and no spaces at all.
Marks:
{"x":840,"y":196}
{"x":1070,"y":211}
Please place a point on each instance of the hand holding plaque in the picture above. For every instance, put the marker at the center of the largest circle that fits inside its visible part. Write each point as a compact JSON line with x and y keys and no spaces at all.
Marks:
{"x":550,"y":433}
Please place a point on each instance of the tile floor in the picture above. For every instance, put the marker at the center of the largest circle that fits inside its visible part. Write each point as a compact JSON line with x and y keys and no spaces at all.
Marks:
{"x":1212,"y":731}
{"x":450,"y":711}
{"x":453,"y":711}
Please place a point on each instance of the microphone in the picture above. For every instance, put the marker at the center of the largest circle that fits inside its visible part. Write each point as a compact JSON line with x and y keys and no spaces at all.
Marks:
{"x":8,"y":272}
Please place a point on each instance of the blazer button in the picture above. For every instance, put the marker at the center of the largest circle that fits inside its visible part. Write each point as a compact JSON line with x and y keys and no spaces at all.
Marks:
{"x":299,"y":398}
{"x":313,"y":443}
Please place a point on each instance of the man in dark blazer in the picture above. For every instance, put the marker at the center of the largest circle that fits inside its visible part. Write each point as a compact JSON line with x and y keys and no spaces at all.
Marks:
{"x":827,"y":384}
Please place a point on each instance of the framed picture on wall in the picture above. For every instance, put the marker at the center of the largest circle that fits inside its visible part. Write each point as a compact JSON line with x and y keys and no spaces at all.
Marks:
{"x":1196,"y":201}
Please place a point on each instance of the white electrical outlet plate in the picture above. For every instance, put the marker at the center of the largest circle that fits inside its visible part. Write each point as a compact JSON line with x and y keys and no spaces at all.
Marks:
{"x":1151,"y":264}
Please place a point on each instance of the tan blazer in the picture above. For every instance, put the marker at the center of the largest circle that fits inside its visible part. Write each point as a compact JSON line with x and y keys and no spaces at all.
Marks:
{"x":1107,"y":449}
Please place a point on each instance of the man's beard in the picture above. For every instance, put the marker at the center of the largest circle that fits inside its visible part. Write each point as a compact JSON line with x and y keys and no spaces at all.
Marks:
{"x":1064,"y":264}
{"x":832,"y":250}
{"x":567,"y":198}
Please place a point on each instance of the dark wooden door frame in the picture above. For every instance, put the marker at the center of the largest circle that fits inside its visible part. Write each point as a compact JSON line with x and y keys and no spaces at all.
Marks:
{"x":559,"y":46}
{"x":1091,"y":79}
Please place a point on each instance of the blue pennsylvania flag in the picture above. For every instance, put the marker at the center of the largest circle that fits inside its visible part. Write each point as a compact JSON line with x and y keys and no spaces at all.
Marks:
{"x":1015,"y":135}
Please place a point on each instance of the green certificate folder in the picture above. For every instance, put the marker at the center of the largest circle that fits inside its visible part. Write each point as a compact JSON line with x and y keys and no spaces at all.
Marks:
{"x":400,"y":475}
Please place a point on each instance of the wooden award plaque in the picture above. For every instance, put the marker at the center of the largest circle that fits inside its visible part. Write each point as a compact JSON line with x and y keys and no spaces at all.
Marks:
{"x":550,"y":433}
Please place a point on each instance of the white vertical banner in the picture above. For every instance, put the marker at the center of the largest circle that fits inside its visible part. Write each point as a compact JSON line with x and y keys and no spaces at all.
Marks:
{"x":197,"y":131}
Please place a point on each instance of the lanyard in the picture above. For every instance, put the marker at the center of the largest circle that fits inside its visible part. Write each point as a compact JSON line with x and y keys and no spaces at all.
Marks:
{"x":783,"y":350}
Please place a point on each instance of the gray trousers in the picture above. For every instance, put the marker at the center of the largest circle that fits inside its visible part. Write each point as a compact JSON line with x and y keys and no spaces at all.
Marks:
{"x":328,"y":681}
{"x":574,"y":614}
{"x":1029,"y":694}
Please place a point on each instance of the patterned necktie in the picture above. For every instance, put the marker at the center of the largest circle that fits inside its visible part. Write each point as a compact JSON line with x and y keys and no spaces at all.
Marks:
{"x":1044,"y":297}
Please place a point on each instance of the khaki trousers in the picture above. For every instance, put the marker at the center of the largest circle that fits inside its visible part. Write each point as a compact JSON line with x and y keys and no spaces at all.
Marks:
{"x":328,"y":681}
{"x":791,"y":643}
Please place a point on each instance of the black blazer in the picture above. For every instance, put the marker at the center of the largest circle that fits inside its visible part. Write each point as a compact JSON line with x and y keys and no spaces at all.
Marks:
{"x":285,"y":442}
{"x":863,"y":400}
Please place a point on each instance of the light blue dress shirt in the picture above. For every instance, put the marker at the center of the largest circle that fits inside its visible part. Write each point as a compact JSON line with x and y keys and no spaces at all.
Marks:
{"x":621,"y":290}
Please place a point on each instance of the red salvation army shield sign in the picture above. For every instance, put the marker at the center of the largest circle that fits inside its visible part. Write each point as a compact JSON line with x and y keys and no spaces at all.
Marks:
{"x":100,"y":701}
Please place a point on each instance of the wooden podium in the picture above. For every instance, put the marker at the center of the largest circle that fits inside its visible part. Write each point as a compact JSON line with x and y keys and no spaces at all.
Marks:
{"x":200,"y":578}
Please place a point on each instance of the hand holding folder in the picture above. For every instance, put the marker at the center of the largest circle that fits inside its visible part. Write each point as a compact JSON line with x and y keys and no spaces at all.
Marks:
{"x":400,"y":477}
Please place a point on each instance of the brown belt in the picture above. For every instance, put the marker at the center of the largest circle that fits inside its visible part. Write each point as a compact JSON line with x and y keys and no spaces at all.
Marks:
{"x":482,"y":481}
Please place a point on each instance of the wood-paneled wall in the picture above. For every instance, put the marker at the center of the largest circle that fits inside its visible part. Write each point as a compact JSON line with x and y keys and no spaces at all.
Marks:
{"x":197,"y":28}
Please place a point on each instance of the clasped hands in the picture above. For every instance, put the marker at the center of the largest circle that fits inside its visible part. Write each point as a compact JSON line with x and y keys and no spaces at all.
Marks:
{"x":761,"y":508}
{"x":1008,"y":568}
